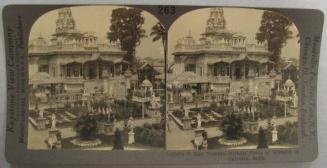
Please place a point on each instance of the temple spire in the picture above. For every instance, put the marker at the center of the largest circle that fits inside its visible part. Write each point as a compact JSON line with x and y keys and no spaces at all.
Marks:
{"x":216,"y":21}
{"x":65,"y":22}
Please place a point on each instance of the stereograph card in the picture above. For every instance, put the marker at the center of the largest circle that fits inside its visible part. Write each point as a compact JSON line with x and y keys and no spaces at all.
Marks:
{"x":160,"y":85}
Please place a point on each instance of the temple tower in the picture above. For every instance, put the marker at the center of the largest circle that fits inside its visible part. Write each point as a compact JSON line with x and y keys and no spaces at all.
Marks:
{"x":65,"y":22}
{"x":216,"y":21}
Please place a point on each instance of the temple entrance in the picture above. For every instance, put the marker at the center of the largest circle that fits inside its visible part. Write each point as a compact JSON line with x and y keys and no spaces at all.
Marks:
{"x":221,"y":69}
{"x":92,"y":73}
{"x":74,"y":69}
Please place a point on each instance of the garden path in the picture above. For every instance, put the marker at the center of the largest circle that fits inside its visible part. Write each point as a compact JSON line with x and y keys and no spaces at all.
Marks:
{"x":178,"y":139}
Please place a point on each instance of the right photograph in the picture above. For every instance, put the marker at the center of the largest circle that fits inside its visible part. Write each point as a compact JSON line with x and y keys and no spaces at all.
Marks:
{"x":232,"y":80}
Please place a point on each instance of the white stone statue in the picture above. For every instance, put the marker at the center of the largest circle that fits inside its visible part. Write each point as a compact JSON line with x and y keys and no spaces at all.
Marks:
{"x":53,"y":121}
{"x":199,"y":120}
{"x":41,"y":114}
{"x":274,"y":134}
{"x":111,"y":91}
{"x":256,"y":90}
{"x":130,"y":124}
{"x":186,"y":113}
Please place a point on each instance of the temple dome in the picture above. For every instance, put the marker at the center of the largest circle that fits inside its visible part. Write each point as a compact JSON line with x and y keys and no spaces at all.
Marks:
{"x":146,"y":83}
{"x":39,"y":43}
{"x":188,"y":40}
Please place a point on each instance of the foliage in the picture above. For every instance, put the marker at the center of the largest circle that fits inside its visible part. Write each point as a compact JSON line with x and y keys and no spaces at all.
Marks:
{"x":213,"y":105}
{"x":288,"y":133}
{"x":124,"y":109}
{"x":275,"y":29}
{"x":86,"y":127}
{"x":126,"y":26}
{"x":262,"y":141}
{"x":232,"y":126}
{"x":267,"y":108}
{"x":78,"y":110}
{"x":118,"y":141}
{"x":150,"y":135}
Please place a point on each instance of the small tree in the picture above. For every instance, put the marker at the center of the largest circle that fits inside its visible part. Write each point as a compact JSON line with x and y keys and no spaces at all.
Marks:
{"x":275,"y":29}
{"x":232,"y":127}
{"x":126,"y":26}
{"x":118,"y":141}
{"x":262,"y":141}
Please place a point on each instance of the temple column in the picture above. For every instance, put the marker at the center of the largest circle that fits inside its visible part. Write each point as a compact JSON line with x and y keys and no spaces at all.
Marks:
{"x":121,"y":69}
{"x":259,"y":69}
{"x":205,"y":69}
{"x":229,"y":71}
{"x":233,"y":71}
{"x":114,"y":70}
{"x":267,"y":69}
{"x":81,"y":71}
{"x":243,"y":75}
{"x":97,"y":70}
{"x":66,"y":70}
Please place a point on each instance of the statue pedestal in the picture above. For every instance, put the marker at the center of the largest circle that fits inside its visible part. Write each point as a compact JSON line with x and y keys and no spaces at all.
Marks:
{"x":41,"y":123}
{"x":198,"y":138}
{"x":186,"y":123}
{"x":131,"y":137}
{"x":100,"y":126}
{"x":205,"y":144}
{"x":53,"y":141}
{"x":108,"y":128}
{"x":252,"y":127}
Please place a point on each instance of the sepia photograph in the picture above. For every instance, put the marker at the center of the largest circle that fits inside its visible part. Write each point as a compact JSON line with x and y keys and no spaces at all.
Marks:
{"x":161,"y":84}
{"x":96,"y":80}
{"x":232,"y":80}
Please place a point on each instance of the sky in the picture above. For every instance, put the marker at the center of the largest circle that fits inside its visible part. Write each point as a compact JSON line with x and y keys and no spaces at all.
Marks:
{"x":246,"y":21}
{"x":97,"y":19}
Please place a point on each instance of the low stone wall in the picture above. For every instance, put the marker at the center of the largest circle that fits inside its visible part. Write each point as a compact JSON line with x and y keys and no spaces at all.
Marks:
{"x":236,"y":142}
{"x":86,"y":144}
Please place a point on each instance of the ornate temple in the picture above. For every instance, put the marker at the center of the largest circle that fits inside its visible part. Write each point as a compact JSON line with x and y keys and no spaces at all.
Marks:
{"x":221,"y":62}
{"x":73,"y":61}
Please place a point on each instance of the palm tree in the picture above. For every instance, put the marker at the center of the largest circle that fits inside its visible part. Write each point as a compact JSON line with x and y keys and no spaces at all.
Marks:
{"x":158,"y":32}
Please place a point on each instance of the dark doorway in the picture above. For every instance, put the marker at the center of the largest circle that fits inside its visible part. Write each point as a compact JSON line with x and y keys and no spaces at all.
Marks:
{"x":238,"y":73}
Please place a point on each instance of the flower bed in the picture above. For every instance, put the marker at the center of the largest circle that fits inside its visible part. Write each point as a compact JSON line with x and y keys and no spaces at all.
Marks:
{"x":150,"y":134}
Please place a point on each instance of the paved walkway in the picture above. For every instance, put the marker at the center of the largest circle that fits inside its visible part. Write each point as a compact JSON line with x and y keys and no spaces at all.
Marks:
{"x":178,"y":139}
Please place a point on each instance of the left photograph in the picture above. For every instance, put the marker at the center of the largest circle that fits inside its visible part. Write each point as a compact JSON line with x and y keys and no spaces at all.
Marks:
{"x":96,"y":80}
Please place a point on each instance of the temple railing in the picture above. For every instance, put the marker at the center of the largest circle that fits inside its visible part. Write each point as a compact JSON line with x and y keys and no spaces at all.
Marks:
{"x":76,"y":47}
{"x":222,"y":46}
